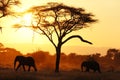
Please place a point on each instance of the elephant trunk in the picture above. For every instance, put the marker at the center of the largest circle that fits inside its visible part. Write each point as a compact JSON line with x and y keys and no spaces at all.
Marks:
{"x":15,"y":62}
{"x":82,"y":68}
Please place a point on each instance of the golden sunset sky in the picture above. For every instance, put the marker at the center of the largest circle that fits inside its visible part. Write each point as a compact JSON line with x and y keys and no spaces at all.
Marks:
{"x":104,"y":33}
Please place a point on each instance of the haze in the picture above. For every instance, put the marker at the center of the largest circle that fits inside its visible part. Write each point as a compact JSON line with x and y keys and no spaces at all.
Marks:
{"x":105,"y":33}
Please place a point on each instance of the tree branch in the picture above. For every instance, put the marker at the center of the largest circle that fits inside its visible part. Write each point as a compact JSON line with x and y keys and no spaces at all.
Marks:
{"x":76,"y":36}
{"x":7,"y":2}
{"x":56,"y":17}
{"x":50,"y":39}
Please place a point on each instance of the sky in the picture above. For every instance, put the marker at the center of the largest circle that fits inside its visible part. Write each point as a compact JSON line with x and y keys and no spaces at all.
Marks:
{"x":104,"y":33}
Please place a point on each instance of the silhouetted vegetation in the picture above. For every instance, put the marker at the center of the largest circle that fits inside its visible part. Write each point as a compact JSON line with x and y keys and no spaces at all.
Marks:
{"x":44,"y":61}
{"x":73,"y":61}
{"x":7,"y":56}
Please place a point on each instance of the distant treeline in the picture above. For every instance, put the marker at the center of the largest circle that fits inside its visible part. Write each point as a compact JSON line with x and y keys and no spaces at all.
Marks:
{"x":45,"y":61}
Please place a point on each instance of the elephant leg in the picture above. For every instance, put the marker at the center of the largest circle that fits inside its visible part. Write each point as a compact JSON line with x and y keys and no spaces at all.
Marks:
{"x":94,"y":70}
{"x":35,"y":68}
{"x":23,"y":67}
{"x":29,"y":68}
{"x":18,"y":67}
{"x":82,"y":70}
{"x":87,"y":69}
{"x":99,"y":71}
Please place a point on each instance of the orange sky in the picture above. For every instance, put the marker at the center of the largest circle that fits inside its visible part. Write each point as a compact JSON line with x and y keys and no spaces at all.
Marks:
{"x":105,"y":33}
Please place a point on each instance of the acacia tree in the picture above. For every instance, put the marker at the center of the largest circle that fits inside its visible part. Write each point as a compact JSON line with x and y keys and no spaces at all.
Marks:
{"x":59,"y":20}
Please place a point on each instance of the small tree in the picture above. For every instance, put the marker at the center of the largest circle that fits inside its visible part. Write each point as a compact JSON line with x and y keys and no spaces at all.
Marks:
{"x":59,"y":20}
{"x":111,"y":53}
{"x":5,"y":8}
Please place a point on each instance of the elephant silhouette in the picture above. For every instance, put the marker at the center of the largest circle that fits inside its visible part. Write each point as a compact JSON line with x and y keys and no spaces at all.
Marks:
{"x":24,"y":61}
{"x":93,"y":65}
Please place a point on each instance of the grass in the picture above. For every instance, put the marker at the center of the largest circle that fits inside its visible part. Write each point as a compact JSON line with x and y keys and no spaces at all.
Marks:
{"x":8,"y":74}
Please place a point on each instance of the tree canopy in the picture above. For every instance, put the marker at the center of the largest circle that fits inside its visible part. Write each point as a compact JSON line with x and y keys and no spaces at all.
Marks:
{"x":60,"y":19}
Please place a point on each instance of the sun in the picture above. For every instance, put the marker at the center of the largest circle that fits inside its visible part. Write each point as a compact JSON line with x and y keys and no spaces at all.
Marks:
{"x":26,"y":19}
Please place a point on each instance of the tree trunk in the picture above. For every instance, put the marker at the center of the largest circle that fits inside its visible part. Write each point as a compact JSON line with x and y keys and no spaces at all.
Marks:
{"x":58,"y":51}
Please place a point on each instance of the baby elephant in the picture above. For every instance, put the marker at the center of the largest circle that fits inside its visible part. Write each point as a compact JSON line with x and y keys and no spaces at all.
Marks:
{"x":93,"y":65}
{"x":24,"y":61}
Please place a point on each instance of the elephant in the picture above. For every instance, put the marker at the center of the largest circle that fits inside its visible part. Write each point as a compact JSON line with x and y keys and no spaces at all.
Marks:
{"x":24,"y":61}
{"x":93,"y":65}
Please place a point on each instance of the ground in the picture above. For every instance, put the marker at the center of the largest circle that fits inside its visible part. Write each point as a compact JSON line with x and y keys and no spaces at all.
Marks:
{"x":9,"y":74}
